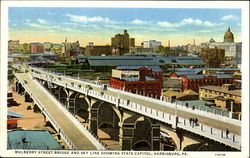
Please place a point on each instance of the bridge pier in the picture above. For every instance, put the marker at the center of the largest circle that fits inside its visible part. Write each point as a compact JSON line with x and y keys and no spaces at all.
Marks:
{"x":93,"y":120}
{"x":27,"y":98}
{"x":155,"y":137}
{"x":125,"y":135}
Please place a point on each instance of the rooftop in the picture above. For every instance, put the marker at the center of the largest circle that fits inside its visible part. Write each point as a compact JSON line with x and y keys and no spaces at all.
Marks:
{"x":179,"y":94}
{"x":32,"y":139}
{"x":206,"y":75}
{"x":14,"y":114}
{"x":186,"y":71}
{"x":146,"y":60}
{"x":138,"y":79}
{"x":236,"y":92}
{"x":128,"y":67}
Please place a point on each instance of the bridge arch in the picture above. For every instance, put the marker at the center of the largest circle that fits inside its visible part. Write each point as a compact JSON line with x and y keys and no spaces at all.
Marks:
{"x":142,"y":145}
{"x":81,"y":105}
{"x":132,"y":137}
{"x":63,"y":95}
{"x":19,"y":89}
{"x":104,"y":120}
{"x":45,"y":84}
{"x":107,"y":114}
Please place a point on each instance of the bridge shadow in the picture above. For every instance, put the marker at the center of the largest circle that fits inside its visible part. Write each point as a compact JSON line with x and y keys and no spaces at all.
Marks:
{"x":109,"y":136}
{"x":141,"y":146}
{"x":107,"y":132}
{"x":207,"y":147}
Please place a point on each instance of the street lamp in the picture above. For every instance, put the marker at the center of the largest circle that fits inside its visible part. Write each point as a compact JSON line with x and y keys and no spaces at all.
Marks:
{"x":175,"y":112}
{"x":231,"y":109}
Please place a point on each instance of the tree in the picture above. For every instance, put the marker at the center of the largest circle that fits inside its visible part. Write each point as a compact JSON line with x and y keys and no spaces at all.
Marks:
{"x":57,"y":49}
{"x":26,"y":48}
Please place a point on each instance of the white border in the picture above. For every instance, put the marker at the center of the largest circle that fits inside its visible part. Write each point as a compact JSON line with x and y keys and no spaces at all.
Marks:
{"x":244,"y":5}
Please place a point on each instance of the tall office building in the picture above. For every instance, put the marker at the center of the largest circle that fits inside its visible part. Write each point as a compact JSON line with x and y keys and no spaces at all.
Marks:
{"x":70,"y":49}
{"x":121,"y":43}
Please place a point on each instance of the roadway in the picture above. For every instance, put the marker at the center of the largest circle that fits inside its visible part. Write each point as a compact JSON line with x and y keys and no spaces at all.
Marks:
{"x":66,"y":125}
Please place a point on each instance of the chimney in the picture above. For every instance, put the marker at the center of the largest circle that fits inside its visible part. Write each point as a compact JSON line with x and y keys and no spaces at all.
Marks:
{"x":125,"y":32}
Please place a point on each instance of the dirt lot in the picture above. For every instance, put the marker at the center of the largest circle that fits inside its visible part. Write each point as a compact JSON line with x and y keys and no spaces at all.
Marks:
{"x":30,"y":120}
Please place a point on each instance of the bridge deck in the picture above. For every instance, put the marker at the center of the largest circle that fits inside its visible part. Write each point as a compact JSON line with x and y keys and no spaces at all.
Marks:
{"x":66,"y":125}
{"x":151,"y":103}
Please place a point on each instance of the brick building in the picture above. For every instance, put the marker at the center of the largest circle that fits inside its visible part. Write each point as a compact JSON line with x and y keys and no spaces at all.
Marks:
{"x":70,"y":49}
{"x":36,"y":48}
{"x":13,"y":44}
{"x":223,"y":96}
{"x":193,"y":82}
{"x":138,"y":79}
{"x":121,"y":43}
{"x":213,"y":57}
{"x":97,"y":50}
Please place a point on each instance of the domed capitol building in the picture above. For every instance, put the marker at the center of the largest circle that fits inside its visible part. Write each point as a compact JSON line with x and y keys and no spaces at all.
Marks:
{"x":232,"y":49}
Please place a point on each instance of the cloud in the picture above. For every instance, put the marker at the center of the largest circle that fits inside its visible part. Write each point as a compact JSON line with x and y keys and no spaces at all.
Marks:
{"x":205,"y":31}
{"x":188,"y":21}
{"x":68,"y":29}
{"x":70,"y":23}
{"x":114,"y":27}
{"x":51,"y":31}
{"x":43,"y":26}
{"x":26,"y":20}
{"x":229,"y":17}
{"x":42,"y":21}
{"x":50,"y":13}
{"x":165,"y":24}
{"x":139,"y":22}
{"x":85,"y":19}
{"x":35,"y":25}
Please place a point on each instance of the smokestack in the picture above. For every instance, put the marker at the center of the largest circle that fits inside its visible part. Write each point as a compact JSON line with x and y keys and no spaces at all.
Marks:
{"x":169,"y":43}
{"x":194,"y":41}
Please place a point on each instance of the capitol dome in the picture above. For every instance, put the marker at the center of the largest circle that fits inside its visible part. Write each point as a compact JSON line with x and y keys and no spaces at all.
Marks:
{"x":229,"y":36}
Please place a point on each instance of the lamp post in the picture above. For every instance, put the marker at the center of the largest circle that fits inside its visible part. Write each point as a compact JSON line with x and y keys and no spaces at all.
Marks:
{"x":231,"y":110}
{"x":176,"y":117}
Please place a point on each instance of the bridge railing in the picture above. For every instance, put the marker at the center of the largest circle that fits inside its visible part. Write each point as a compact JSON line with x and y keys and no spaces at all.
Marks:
{"x":180,"y":106}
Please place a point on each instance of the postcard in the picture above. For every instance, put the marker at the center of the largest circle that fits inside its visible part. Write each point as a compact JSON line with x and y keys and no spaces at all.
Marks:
{"x":124,"y":79}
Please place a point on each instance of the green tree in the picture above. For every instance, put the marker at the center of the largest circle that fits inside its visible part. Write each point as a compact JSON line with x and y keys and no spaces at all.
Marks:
{"x":26,"y":48}
{"x":57,"y":49}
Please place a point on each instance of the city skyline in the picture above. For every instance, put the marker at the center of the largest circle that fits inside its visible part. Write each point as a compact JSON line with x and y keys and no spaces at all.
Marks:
{"x":98,"y":25}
